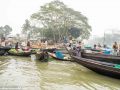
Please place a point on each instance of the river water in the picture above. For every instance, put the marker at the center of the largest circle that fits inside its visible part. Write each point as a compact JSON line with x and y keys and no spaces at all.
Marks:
{"x":22,"y":73}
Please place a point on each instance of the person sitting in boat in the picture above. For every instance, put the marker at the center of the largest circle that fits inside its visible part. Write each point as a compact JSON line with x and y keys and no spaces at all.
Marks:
{"x":27,"y":47}
{"x":99,"y":47}
{"x":17,"y":46}
{"x":115,"y":48}
{"x":106,"y":50}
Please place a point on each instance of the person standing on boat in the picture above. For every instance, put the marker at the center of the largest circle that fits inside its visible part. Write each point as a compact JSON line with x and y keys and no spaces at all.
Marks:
{"x":115,"y":48}
{"x":78,"y":48}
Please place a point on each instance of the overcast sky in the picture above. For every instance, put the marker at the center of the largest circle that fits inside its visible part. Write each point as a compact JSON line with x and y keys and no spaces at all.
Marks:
{"x":102,"y":14}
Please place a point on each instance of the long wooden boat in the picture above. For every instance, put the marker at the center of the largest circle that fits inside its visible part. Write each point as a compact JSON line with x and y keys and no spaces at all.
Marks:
{"x":22,"y":53}
{"x":102,"y":57}
{"x":54,"y":56}
{"x":99,"y":67}
{"x":104,"y":68}
{"x":4,"y":50}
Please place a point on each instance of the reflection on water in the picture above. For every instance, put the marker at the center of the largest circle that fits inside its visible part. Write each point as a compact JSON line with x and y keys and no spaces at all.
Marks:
{"x":20,"y":73}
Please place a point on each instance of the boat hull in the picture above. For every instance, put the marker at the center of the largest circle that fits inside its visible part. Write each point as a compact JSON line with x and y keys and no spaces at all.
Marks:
{"x":100,"y":67}
{"x":101,"y":57}
{"x":105,"y":69}
{"x":54,"y":57}
{"x":4,"y":50}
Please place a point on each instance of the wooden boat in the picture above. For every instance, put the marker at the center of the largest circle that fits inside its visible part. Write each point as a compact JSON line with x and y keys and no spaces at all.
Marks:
{"x":99,"y":67}
{"x":99,"y":56}
{"x":104,"y":68}
{"x":42,"y":56}
{"x":4,"y":50}
{"x":54,"y":56}
{"x":102,"y":57}
{"x":51,"y":50}
{"x":19,"y":53}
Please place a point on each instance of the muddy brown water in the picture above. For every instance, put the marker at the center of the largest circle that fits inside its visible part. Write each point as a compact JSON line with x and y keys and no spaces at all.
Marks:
{"x":22,"y":73}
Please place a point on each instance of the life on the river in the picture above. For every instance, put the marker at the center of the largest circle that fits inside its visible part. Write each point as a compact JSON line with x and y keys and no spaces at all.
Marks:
{"x":59,"y":45}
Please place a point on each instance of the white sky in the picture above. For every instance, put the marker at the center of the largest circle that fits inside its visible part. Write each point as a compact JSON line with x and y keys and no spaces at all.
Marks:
{"x":102,"y":14}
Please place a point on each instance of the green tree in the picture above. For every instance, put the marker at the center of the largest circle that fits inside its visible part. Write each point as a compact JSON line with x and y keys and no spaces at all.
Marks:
{"x":5,"y":31}
{"x":56,"y":19}
{"x":75,"y":32}
{"x":1,"y":32}
{"x":26,"y":28}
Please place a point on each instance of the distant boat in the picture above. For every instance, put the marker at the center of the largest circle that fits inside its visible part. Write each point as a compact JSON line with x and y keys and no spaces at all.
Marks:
{"x":19,"y":53}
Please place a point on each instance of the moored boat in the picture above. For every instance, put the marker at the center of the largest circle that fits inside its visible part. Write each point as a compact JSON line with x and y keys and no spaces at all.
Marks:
{"x":60,"y":59}
{"x":42,"y":56}
{"x":19,"y":53}
{"x":102,"y":57}
{"x":104,"y":68}
{"x":4,"y":50}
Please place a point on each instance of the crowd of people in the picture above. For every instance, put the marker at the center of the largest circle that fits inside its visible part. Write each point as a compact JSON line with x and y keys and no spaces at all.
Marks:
{"x":22,"y":46}
{"x":76,"y":48}
{"x":4,"y":43}
{"x":114,"y":50}
{"x":103,"y":49}
{"x":19,"y":46}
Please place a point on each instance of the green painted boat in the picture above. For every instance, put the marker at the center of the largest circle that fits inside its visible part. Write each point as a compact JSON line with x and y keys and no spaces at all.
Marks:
{"x":19,"y":53}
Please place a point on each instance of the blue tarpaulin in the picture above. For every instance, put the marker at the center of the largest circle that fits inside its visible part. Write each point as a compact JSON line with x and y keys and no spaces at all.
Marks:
{"x":59,"y":54}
